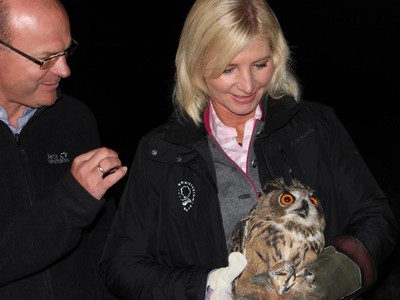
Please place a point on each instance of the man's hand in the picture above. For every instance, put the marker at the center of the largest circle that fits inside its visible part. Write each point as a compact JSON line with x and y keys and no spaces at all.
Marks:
{"x":98,"y":170}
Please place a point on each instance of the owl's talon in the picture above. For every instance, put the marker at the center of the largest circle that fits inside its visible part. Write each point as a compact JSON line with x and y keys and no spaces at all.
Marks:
{"x":308,"y":276}
{"x":282,"y":279}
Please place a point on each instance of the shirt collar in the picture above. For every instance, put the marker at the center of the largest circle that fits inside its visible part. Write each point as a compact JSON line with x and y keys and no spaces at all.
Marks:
{"x":222,"y":132}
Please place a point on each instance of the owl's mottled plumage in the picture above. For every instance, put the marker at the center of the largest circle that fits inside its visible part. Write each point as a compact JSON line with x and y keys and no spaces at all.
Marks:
{"x":282,"y":234}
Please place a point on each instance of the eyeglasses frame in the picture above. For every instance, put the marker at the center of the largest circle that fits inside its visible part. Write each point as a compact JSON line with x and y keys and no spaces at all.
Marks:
{"x":68,"y":52}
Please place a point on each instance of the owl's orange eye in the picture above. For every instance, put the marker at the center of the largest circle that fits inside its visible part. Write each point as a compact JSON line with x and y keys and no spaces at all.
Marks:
{"x":314,"y":200}
{"x":286,"y":199}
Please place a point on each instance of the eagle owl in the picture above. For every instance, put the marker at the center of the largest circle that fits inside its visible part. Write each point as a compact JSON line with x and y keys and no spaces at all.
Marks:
{"x":280,"y":236}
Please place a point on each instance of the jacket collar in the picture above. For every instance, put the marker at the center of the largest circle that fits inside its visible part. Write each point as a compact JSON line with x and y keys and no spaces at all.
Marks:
{"x":278,"y":112}
{"x":183,"y":131}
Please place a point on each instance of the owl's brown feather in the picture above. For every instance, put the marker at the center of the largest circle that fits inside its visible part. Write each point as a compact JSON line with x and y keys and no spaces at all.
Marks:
{"x":282,"y":234}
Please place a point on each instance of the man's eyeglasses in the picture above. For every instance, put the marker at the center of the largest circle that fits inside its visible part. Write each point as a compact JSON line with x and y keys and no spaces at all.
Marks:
{"x":47,"y":62}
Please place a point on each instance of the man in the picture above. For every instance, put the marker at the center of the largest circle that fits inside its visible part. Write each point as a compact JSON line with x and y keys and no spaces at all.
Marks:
{"x":54,"y":174}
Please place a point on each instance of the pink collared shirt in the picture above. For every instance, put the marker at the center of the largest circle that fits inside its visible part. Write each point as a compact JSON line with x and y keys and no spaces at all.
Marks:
{"x":226,"y":137}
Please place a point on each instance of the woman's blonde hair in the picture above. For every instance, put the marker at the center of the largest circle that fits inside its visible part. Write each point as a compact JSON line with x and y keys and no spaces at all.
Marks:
{"x":215,"y":31}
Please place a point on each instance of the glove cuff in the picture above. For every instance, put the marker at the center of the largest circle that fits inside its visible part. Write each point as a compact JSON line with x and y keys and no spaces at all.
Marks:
{"x":209,"y":291}
{"x":357,"y":252}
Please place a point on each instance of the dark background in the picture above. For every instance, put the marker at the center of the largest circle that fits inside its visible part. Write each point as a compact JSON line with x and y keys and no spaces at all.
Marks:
{"x":346,"y":55}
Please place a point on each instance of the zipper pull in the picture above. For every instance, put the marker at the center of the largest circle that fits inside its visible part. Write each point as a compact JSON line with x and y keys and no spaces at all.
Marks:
{"x":17,"y":140}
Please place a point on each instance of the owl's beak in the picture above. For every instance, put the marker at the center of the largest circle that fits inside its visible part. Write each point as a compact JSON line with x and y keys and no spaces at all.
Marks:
{"x":303,"y":210}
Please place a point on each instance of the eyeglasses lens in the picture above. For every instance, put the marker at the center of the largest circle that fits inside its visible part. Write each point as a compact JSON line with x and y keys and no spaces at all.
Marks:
{"x":49,"y":62}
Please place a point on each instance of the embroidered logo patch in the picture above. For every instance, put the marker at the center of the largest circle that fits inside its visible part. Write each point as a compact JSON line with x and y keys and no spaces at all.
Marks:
{"x":302,"y":136}
{"x":186,"y":193}
{"x":58,"y":159}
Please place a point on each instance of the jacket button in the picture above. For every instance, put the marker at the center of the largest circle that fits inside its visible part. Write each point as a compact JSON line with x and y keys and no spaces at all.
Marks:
{"x":179,"y":159}
{"x":254,"y":163}
{"x":154,"y":152}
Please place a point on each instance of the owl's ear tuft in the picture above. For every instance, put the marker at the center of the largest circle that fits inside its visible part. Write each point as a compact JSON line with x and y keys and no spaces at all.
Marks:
{"x":277,"y":183}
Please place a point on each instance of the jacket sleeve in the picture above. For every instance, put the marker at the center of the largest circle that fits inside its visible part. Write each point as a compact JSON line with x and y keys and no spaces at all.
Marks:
{"x":34,"y":238}
{"x":371,"y":229}
{"x":131,"y":265}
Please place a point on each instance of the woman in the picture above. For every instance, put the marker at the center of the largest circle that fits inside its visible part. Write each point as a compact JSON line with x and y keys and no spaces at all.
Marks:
{"x":239,"y":123}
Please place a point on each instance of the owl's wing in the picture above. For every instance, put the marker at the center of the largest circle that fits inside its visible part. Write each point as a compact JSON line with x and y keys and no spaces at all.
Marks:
{"x":238,"y":236}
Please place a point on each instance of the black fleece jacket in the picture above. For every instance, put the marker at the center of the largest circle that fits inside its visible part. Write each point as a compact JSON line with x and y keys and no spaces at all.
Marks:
{"x":51,"y":229}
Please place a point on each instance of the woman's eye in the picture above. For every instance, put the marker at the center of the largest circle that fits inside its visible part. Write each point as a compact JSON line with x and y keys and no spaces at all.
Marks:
{"x":228,"y":71}
{"x":261,"y":66}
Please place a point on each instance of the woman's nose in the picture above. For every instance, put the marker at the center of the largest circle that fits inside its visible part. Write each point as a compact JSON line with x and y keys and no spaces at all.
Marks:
{"x":246,"y":82}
